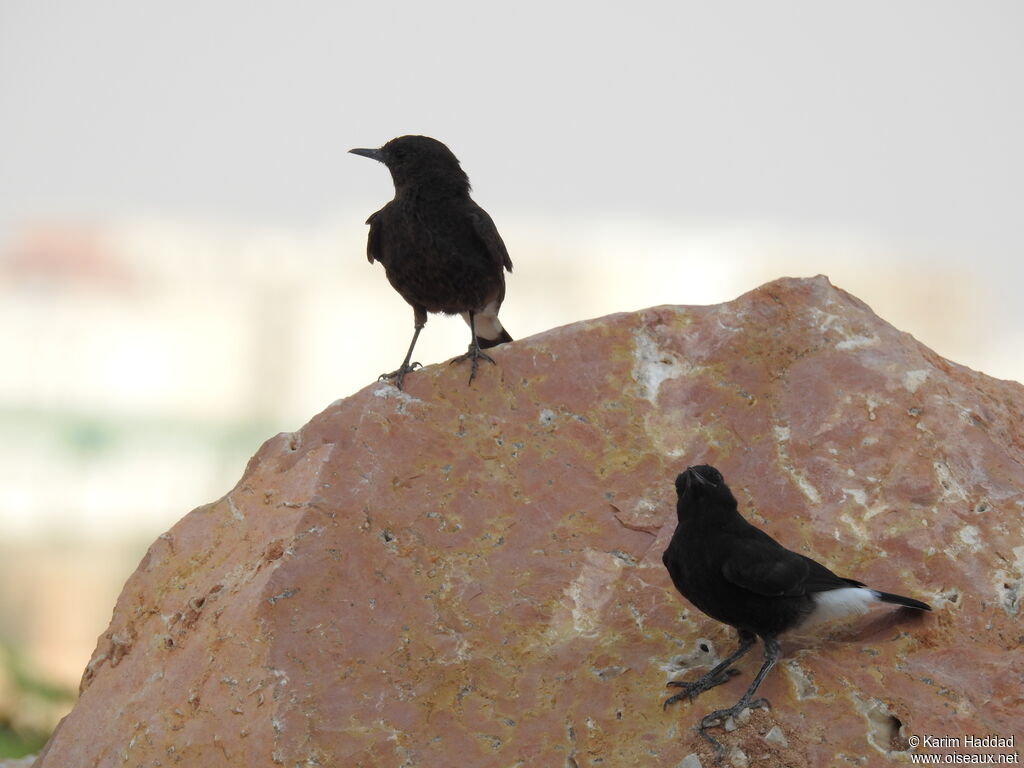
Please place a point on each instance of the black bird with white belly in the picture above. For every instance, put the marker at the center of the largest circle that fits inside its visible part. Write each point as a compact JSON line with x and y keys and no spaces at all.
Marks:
{"x":741,"y":576}
{"x":440,"y":250}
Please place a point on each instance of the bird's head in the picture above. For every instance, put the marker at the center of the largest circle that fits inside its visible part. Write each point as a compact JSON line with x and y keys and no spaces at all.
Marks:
{"x":419,"y":162}
{"x":700,"y":485}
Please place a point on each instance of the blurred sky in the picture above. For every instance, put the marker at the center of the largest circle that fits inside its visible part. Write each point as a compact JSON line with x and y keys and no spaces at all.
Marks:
{"x":631,"y":155}
{"x":897,"y":120}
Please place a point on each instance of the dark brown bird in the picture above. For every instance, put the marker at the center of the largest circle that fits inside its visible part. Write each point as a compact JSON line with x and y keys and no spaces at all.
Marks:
{"x":440,"y":250}
{"x":741,"y":576}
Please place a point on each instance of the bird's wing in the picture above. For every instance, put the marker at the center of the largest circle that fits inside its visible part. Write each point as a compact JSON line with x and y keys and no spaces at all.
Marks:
{"x":765,"y":567}
{"x":821,"y":579}
{"x":373,"y":244}
{"x":484,"y":228}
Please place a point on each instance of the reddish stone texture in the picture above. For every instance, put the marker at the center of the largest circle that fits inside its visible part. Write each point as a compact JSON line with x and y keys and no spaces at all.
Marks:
{"x":471,"y":574}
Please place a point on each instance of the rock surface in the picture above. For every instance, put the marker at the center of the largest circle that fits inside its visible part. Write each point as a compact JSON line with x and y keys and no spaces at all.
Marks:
{"x":471,"y":575}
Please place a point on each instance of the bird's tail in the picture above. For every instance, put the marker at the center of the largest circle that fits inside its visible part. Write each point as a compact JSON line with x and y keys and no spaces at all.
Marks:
{"x":909,"y":602}
{"x":489,"y":330}
{"x":488,"y":343}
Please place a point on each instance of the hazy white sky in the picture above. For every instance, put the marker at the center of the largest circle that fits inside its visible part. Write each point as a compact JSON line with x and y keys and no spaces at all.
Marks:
{"x":897,"y":121}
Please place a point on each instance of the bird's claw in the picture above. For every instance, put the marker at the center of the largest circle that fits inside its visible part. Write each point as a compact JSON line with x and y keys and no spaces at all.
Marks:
{"x":719,"y":716}
{"x":476,"y":355}
{"x":676,"y":697}
{"x":692,"y":690}
{"x":399,"y":374}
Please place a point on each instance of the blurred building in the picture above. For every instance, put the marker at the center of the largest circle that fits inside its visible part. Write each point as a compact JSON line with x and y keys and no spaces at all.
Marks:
{"x":143,"y":364}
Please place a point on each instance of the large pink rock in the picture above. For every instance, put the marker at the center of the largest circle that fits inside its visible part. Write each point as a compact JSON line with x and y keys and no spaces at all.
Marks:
{"x":471,"y":574}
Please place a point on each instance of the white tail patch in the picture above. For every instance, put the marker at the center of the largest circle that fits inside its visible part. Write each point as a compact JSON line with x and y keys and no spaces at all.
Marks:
{"x":488,"y":326}
{"x":841,"y":603}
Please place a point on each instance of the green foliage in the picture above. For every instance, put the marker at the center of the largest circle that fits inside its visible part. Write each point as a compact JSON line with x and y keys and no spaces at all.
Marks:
{"x":29,"y":706}
{"x":15,"y":744}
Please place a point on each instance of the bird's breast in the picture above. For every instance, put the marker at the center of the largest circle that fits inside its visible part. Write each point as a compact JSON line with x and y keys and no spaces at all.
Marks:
{"x":434,"y":259}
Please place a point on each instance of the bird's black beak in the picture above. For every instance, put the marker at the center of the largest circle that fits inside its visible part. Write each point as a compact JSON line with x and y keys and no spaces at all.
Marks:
{"x":373,"y":154}
{"x":698,"y":476}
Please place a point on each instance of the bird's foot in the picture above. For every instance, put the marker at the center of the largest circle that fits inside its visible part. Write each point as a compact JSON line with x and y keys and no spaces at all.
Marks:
{"x":476,"y":355}
{"x":693,"y":690}
{"x":721,"y":717}
{"x":396,"y":376}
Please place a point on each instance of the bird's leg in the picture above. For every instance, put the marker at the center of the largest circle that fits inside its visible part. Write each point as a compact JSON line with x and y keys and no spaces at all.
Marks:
{"x":474,"y":353}
{"x":719,"y":716}
{"x":716,"y":676}
{"x":420,"y":319}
